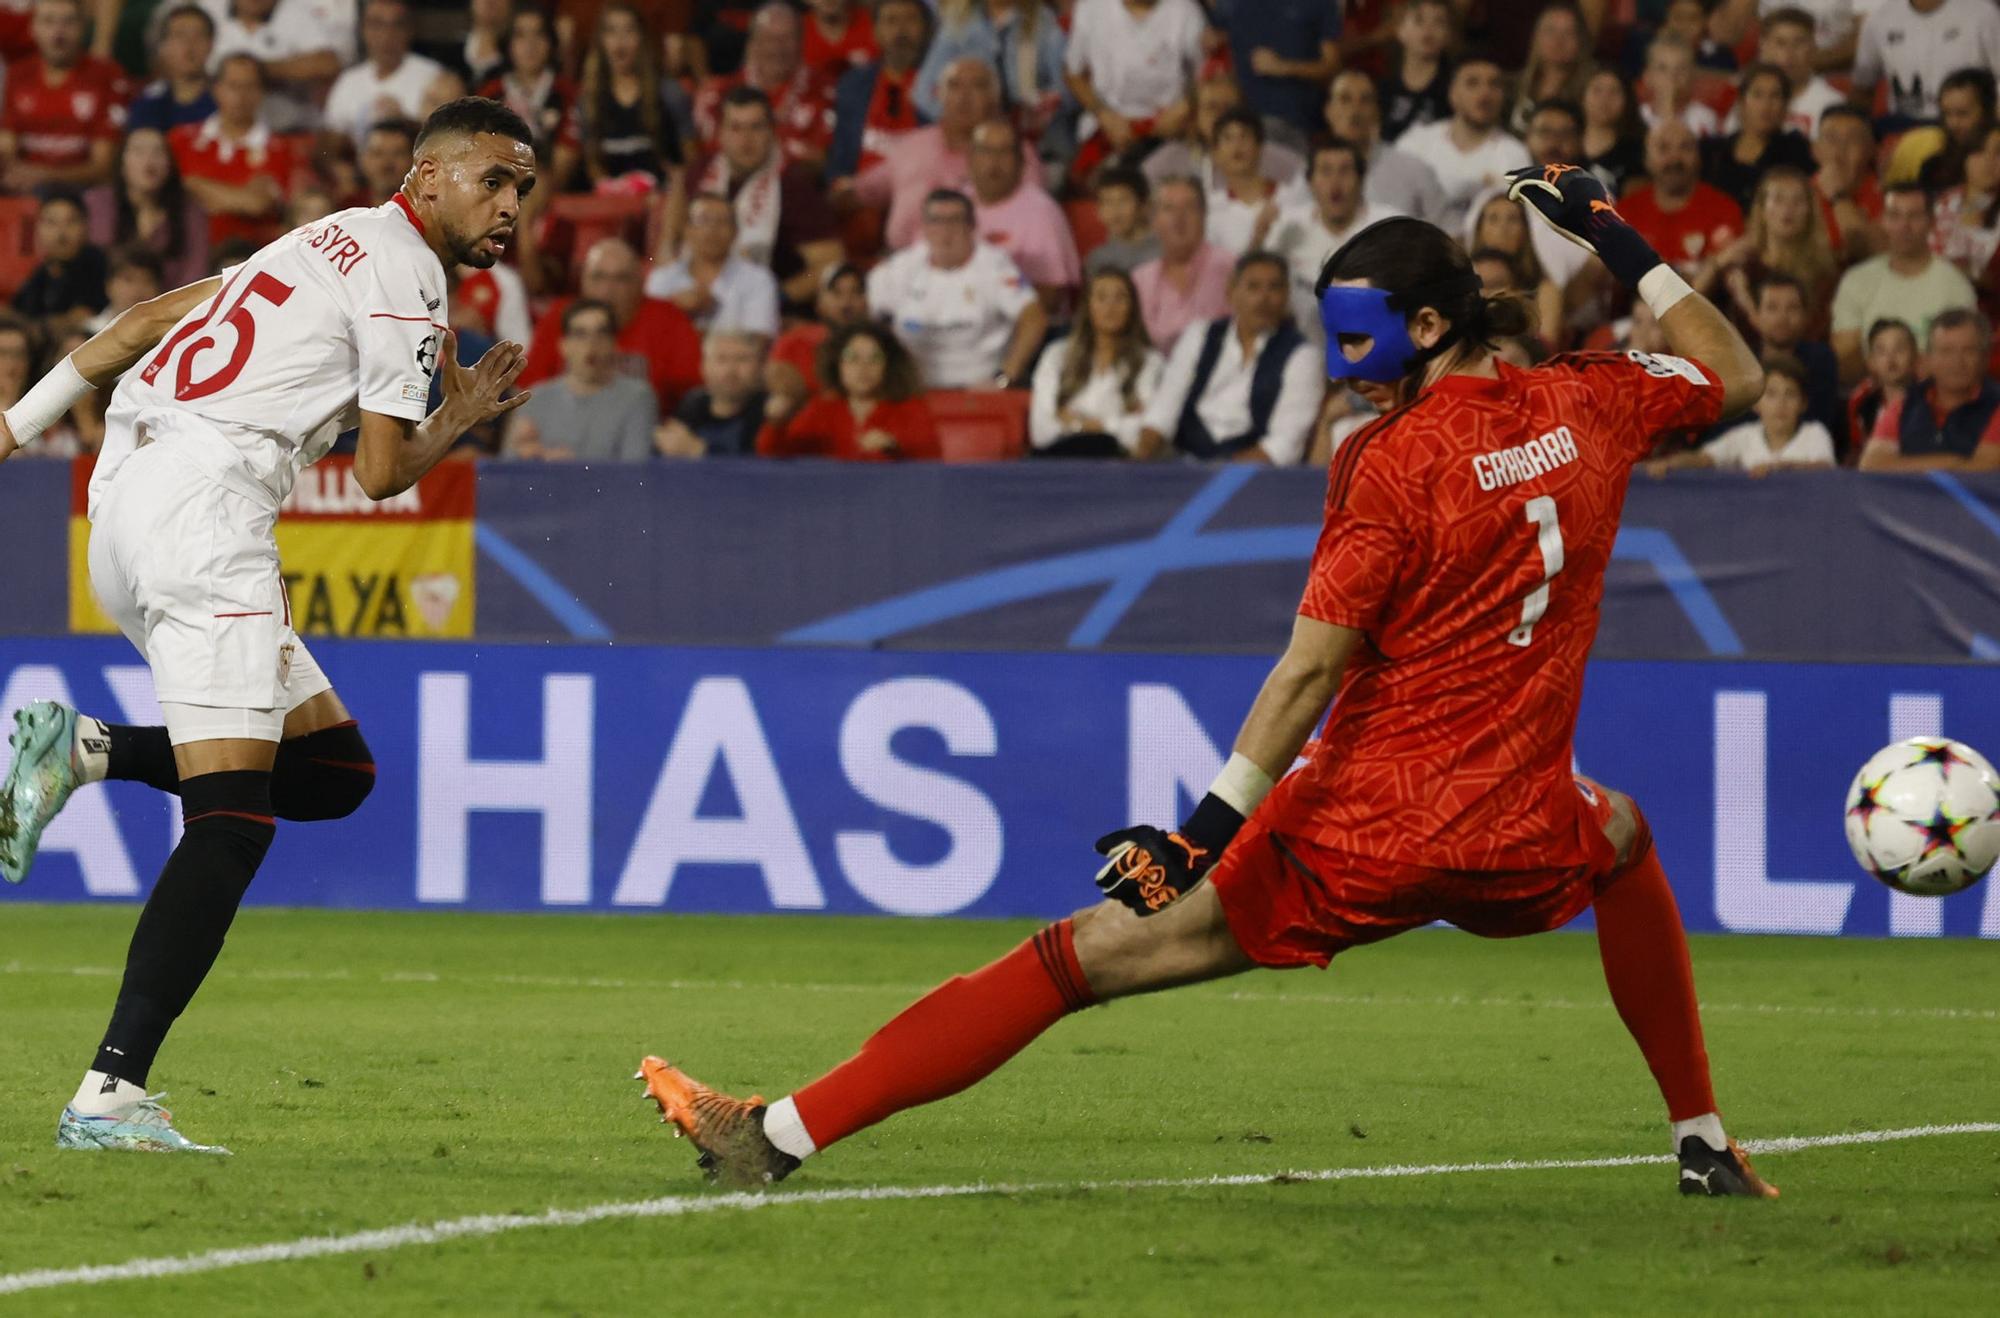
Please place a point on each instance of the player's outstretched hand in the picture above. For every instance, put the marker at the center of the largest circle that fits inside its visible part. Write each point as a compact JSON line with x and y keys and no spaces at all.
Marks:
{"x":1149,"y":869}
{"x":1579,"y":207}
{"x":478,"y":391}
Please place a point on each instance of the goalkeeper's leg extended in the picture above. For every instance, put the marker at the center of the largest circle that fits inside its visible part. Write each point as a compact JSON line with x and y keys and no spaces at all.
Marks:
{"x":955,"y":1035}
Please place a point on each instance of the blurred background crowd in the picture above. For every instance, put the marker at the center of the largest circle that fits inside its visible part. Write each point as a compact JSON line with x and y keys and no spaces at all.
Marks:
{"x":977,"y":229}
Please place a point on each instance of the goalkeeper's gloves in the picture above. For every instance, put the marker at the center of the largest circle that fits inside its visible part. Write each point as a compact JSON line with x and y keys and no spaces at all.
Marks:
{"x":1149,"y":869}
{"x":1577,"y":205}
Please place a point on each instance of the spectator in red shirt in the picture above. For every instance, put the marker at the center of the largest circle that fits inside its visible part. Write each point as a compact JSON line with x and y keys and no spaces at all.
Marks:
{"x":656,"y":340}
{"x":874,"y":105}
{"x":1892,"y":368}
{"x":1845,"y":151}
{"x":64,"y":109}
{"x":234,"y":164}
{"x":839,"y":35}
{"x":783,"y":220}
{"x":872,"y":410}
{"x":147,"y":204}
{"x":1950,"y":422}
{"x":773,"y":63}
{"x":791,"y":373}
{"x":1687,"y":222}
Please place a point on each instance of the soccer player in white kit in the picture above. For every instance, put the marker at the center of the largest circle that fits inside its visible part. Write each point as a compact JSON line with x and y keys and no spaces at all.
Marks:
{"x":242,"y":381}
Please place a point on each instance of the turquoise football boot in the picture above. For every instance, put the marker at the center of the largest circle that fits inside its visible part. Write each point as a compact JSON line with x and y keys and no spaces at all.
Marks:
{"x":38,"y":783}
{"x":145,"y":1127}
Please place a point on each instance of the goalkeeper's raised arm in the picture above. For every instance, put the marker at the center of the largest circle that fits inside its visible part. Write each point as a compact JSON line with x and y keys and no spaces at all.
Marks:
{"x":1575,"y":204}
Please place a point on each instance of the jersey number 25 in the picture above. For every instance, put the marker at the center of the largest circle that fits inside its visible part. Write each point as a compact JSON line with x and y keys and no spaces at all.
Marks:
{"x":239,"y":318}
{"x":1541,"y":512}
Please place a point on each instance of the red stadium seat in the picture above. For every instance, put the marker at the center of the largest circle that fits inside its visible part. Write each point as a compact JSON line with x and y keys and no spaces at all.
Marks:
{"x":1083,"y":222}
{"x":17,"y":242}
{"x":980,"y":426}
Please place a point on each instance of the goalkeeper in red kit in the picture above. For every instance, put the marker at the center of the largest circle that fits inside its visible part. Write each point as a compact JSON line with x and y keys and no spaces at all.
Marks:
{"x":1450,"y":605}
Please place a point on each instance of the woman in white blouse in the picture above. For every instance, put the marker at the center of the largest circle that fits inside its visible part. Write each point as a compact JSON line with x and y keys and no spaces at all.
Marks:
{"x":1091,"y":389}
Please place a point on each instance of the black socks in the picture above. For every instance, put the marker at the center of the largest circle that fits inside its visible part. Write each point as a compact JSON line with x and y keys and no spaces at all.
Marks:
{"x":229,"y":827}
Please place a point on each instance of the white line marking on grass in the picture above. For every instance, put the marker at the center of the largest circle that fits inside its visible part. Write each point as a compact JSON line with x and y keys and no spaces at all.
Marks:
{"x":494,"y":1224}
{"x":597,"y":983}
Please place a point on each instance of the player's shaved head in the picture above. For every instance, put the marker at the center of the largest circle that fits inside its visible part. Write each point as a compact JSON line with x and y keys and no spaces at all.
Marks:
{"x":474,"y":162}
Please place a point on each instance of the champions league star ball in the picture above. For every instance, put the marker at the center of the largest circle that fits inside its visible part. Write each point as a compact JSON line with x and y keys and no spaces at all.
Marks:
{"x":1923,"y":816}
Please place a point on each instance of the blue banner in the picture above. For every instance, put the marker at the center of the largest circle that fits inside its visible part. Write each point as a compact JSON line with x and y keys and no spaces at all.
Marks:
{"x":1806,"y":566}
{"x":558,"y":777}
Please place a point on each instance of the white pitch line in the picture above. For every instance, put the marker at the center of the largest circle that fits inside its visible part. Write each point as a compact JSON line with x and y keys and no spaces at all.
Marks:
{"x":463,"y":1228}
{"x":618,"y":984}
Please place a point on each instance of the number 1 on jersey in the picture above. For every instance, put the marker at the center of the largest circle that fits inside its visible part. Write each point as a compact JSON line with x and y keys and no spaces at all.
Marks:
{"x":1549,"y":539}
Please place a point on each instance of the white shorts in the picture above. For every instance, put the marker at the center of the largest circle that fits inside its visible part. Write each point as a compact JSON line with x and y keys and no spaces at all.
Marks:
{"x":189,"y":572}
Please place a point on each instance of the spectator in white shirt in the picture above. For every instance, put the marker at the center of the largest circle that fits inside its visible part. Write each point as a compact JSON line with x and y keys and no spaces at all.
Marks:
{"x":1780,"y":436}
{"x":961,"y":306}
{"x":302,"y":44}
{"x":1131,"y":67}
{"x":1092,"y":390}
{"x":1469,"y":151}
{"x":1917,"y":44}
{"x":1836,"y":27}
{"x":1243,"y":204}
{"x":390,"y":82}
{"x":1245,"y":388}
{"x":1309,"y":231}
{"x":1670,"y":87}
{"x":718,"y":289}
{"x":1788,"y":41}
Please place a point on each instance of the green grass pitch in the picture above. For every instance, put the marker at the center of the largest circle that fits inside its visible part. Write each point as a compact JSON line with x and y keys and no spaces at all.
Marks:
{"x":372,"y":1071}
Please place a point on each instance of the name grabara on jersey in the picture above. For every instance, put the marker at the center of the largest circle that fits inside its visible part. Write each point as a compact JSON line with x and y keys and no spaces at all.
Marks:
{"x":339,"y":247}
{"x":1524,"y":462}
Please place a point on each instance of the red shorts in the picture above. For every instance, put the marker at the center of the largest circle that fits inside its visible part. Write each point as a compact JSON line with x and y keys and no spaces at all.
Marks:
{"x":1290,"y":902}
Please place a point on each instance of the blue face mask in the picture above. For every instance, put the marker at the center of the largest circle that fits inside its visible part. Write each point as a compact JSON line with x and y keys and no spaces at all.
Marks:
{"x":1365,"y":311}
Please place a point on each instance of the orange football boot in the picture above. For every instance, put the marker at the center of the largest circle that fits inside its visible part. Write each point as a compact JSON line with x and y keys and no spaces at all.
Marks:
{"x":729,"y":1132}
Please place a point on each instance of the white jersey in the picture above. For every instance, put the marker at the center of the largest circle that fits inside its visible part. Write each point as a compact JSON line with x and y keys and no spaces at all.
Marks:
{"x":1918,"y":51}
{"x":957,"y":323}
{"x":343,"y":315}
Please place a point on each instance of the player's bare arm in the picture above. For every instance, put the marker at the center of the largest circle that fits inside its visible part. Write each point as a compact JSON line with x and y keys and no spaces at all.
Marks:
{"x":393,"y":453}
{"x":1576,"y":205}
{"x":107,"y":355}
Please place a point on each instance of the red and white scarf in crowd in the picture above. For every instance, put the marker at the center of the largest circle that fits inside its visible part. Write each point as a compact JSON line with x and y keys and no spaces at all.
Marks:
{"x":756,"y":202}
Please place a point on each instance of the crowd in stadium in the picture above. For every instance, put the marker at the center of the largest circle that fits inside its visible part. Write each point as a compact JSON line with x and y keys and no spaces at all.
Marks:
{"x":910,"y":229}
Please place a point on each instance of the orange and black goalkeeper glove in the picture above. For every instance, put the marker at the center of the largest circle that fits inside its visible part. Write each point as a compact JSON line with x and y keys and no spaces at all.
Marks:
{"x":1578,"y":207}
{"x":1149,"y":869}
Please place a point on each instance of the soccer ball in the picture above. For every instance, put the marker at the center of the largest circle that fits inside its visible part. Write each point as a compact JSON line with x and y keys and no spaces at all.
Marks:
{"x":1923,"y":816}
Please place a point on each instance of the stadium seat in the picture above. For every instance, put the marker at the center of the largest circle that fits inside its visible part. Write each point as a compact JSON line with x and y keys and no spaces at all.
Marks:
{"x":1081,"y":212}
{"x":17,"y":242}
{"x":980,"y":426}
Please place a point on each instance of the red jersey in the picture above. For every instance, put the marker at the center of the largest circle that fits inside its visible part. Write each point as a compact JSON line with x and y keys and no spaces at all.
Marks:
{"x":830,"y":58}
{"x":55,"y":123}
{"x":1685,"y":238}
{"x":659,"y":345}
{"x":892,"y":111}
{"x":201,"y":151}
{"x":803,"y":108}
{"x":1467,"y":535}
{"x":826,"y":428}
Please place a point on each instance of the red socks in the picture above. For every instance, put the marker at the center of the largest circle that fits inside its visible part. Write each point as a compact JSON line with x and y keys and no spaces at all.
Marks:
{"x":1645,"y":954}
{"x":952,"y":1037}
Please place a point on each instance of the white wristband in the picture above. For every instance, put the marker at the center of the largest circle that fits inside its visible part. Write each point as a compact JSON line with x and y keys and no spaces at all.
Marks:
{"x":1662,"y":287}
{"x":45,"y":404}
{"x":1241,"y":784}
